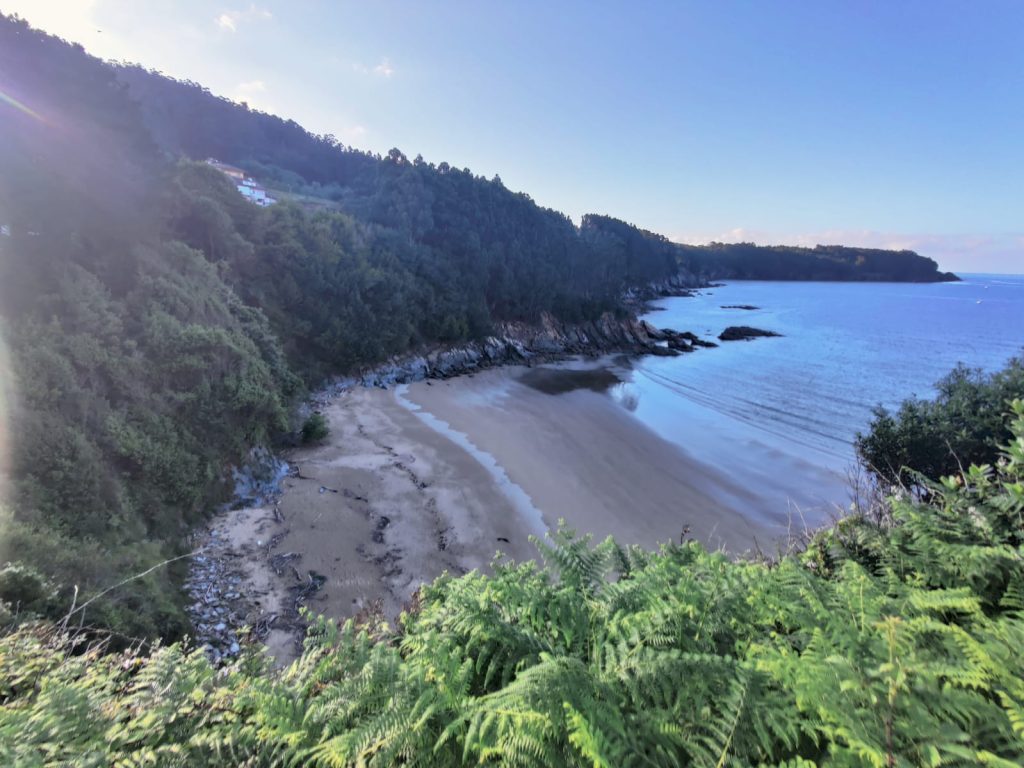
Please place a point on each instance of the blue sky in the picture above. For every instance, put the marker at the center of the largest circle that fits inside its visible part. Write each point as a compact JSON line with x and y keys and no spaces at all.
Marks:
{"x":893,"y":124}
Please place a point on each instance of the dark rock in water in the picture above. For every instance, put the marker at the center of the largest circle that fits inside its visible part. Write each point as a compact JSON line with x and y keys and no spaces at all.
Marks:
{"x":744,"y":332}
{"x":691,"y":338}
{"x":739,"y":306}
{"x":667,"y":351}
{"x":552,"y":381}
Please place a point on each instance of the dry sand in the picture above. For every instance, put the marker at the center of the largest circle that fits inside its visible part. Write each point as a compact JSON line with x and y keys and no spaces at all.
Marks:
{"x":439,"y":476}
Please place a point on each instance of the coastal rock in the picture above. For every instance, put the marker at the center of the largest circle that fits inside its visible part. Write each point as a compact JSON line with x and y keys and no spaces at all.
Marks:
{"x":683,"y":283}
{"x":548,"y":339}
{"x":744,"y":332}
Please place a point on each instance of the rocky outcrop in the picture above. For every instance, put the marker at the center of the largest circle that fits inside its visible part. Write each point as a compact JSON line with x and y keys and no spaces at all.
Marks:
{"x":219,"y":607}
{"x":744,"y":333}
{"x":682,"y":283}
{"x":523,"y":343}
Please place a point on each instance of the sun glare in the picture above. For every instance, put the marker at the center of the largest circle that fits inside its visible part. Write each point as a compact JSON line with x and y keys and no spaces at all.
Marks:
{"x":10,"y":100}
{"x":6,"y":401}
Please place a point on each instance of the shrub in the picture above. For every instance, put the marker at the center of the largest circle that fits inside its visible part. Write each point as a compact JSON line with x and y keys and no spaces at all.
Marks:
{"x":964,"y":425}
{"x":24,"y":589}
{"x":314,"y":429}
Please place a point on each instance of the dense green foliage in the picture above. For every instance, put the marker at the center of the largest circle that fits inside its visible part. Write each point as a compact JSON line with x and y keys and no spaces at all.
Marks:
{"x":965,"y":424}
{"x":133,"y":373}
{"x":896,"y":647}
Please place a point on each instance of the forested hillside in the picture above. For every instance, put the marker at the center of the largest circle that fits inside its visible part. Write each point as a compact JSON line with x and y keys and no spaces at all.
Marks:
{"x":452,"y":209}
{"x":746,"y":261}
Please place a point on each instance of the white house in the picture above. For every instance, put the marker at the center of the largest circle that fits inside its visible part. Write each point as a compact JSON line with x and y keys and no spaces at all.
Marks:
{"x":255,"y":193}
{"x":250,"y":189}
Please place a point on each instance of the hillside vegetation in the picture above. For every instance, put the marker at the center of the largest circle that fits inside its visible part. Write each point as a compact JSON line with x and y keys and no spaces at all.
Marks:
{"x":746,"y":261}
{"x":874,"y":647}
{"x":433,"y":204}
{"x":158,"y":326}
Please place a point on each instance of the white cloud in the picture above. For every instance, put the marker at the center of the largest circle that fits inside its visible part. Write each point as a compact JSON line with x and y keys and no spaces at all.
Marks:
{"x":252,"y":86}
{"x":229,"y":20}
{"x":252,"y":93}
{"x":965,"y":252}
{"x":353,"y":133}
{"x":383,"y":69}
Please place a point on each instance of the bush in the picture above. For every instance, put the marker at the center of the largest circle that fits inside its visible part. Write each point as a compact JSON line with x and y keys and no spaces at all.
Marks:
{"x":24,"y":589}
{"x":314,"y":429}
{"x":964,"y":425}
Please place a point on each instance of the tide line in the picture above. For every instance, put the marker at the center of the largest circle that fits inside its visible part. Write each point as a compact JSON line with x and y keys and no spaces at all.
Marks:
{"x":519,"y":498}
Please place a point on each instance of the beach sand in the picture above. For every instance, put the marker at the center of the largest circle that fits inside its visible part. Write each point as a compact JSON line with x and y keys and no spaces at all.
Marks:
{"x":439,"y":476}
{"x":582,"y":457}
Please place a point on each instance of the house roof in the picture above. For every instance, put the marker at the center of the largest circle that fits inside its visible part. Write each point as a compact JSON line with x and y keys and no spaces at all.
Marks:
{"x":224,"y":167}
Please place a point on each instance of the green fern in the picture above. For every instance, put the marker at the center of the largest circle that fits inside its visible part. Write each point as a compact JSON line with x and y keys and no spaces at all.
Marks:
{"x":873,"y":647}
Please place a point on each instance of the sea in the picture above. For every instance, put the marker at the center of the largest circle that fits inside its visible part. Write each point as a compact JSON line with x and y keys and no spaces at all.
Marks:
{"x":779,"y":415}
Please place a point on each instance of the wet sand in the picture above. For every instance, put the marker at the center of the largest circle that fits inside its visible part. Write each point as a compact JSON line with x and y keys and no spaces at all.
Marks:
{"x":439,"y":476}
{"x":581,"y":456}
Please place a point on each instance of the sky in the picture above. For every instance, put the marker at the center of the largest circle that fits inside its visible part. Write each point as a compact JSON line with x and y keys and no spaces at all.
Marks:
{"x":887,"y":124}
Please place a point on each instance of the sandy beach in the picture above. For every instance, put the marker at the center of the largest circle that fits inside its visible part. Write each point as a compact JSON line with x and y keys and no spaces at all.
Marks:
{"x":442,"y":475}
{"x":580,"y":456}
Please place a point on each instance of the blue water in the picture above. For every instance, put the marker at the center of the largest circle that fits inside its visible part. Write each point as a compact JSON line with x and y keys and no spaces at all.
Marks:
{"x":780,"y":414}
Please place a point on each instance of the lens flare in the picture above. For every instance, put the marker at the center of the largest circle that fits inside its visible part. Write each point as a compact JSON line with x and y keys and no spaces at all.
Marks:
{"x":13,"y":102}
{"x":6,"y":404}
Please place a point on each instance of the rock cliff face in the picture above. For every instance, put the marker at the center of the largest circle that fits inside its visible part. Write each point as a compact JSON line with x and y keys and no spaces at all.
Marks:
{"x":522,"y":343}
{"x":516,"y":343}
{"x":546,"y":340}
{"x":682,"y":283}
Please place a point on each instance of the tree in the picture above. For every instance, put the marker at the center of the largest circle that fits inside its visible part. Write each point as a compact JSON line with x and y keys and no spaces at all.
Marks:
{"x":965,"y":424}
